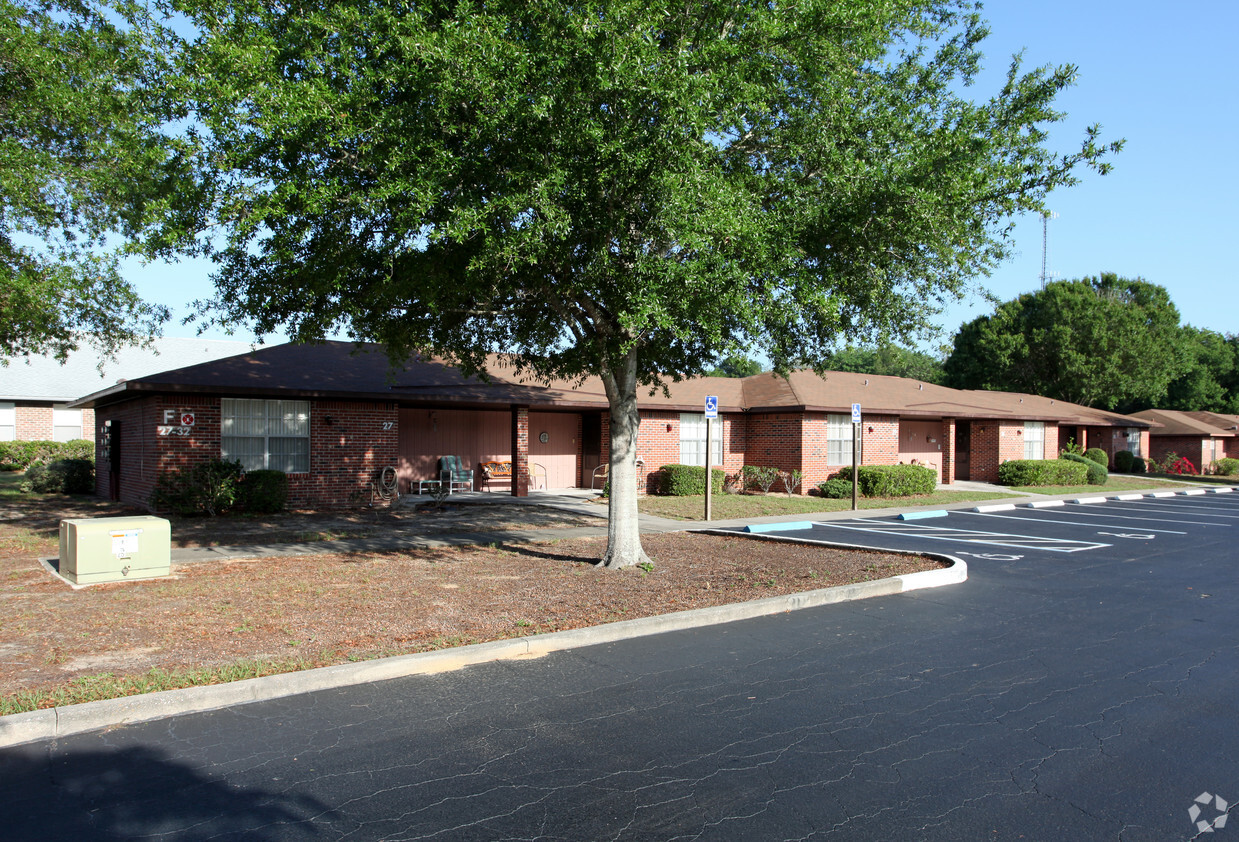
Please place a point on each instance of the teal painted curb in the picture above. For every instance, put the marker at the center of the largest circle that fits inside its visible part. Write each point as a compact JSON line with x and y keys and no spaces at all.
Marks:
{"x":790,"y":526}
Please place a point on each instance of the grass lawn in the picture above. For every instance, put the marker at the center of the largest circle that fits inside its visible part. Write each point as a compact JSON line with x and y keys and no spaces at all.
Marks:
{"x":729,"y":506}
{"x":1114,"y":483}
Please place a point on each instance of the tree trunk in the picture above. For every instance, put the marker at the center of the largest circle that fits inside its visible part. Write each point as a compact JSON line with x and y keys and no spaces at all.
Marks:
{"x":623,"y":535}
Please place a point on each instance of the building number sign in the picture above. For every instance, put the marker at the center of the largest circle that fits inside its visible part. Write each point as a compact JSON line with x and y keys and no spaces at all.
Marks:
{"x":176,"y":422}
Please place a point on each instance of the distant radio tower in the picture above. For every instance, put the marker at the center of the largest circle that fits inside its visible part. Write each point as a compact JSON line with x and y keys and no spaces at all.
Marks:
{"x":1045,"y":239}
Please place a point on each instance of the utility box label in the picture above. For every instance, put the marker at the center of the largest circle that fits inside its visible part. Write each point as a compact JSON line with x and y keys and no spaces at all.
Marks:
{"x":125,"y":544}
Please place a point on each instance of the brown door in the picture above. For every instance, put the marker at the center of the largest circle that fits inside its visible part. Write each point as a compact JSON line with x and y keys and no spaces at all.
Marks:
{"x":963,"y":450}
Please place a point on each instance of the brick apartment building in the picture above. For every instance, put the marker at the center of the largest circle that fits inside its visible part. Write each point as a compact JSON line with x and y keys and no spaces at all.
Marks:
{"x":333,"y":415}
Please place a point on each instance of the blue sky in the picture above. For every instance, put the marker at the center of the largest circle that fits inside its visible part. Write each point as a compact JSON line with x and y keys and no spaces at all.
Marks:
{"x":1162,"y":76}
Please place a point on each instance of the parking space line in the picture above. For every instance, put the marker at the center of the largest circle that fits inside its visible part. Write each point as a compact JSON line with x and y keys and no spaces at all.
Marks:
{"x":965,"y":536}
{"x":1077,"y":523}
{"x":1110,"y":509}
{"x":1194,"y":510}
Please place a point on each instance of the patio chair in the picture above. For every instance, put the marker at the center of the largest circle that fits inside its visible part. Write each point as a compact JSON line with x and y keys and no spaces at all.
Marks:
{"x":453,"y":472}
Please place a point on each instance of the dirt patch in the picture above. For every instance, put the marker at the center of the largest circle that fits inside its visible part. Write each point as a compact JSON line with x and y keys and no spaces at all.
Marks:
{"x":330,"y":609}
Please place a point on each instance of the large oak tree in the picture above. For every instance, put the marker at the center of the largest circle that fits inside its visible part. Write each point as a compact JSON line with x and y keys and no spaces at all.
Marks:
{"x":82,"y":155}
{"x":628,"y":188}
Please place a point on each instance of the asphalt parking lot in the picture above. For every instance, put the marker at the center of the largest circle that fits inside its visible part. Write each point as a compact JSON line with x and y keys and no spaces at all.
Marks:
{"x":1126,"y":525}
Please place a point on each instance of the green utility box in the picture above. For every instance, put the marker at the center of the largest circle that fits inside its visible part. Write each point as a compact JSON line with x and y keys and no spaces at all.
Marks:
{"x":114,"y":549}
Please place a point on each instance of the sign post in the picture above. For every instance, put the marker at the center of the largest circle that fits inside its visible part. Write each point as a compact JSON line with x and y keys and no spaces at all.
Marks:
{"x":856,"y":418}
{"x":711,"y":414}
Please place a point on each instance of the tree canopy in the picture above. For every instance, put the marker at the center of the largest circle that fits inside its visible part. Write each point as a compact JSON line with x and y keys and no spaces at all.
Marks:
{"x":736,"y":365}
{"x":1211,"y":379}
{"x":81,"y":151}
{"x":1104,"y":341}
{"x":625,"y":188}
{"x":885,"y":357}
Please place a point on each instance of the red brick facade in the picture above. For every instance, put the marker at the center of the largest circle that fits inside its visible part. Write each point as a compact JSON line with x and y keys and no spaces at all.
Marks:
{"x":34,"y":421}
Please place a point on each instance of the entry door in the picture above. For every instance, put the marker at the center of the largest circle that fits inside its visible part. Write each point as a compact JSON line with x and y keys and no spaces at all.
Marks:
{"x":558,"y":454}
{"x":922,"y":441}
{"x":963,"y":450}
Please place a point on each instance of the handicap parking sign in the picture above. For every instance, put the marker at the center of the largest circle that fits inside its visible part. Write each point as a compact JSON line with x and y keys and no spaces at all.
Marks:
{"x":712,"y":406}
{"x":855,"y":413}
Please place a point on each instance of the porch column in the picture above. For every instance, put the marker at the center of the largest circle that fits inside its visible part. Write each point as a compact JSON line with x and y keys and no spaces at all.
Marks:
{"x":520,"y":451}
{"x":948,"y":451}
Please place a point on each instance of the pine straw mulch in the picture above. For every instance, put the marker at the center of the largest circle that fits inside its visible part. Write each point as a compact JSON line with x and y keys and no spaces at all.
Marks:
{"x":321,"y":610}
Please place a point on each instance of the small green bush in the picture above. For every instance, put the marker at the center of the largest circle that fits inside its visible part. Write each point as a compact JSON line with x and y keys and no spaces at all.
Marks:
{"x":1123,"y":460}
{"x":263,"y":492}
{"x":759,"y":478}
{"x":1034,"y":472}
{"x":686,"y":480}
{"x":836,"y":489}
{"x":892,"y":480}
{"x":1138,"y":465}
{"x":1097,"y":473}
{"x":1227,"y":467}
{"x":208,"y":488}
{"x":63,"y":476}
{"x":1096,"y":454}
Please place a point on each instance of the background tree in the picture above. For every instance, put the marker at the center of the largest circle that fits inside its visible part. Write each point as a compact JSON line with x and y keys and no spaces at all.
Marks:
{"x":885,"y":357}
{"x":621,"y":188}
{"x":736,"y":365}
{"x":1107,"y":342}
{"x":1211,"y":379}
{"x":80,"y":156}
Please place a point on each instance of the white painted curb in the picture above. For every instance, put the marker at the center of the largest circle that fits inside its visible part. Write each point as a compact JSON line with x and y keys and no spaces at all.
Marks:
{"x":1192,"y":492}
{"x":19,"y":728}
{"x":1129,"y":497}
{"x":1000,"y":507}
{"x":1088,"y":501}
{"x":1160,"y":494}
{"x":1045,"y":504}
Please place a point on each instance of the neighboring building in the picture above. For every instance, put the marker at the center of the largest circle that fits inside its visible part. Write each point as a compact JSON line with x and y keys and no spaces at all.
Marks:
{"x":1203,"y":437}
{"x":35,"y":390}
{"x":332,"y":416}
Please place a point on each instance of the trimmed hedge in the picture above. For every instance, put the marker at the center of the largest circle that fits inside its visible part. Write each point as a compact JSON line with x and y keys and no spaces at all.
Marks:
{"x":1096,"y":454}
{"x":63,"y":476}
{"x":1097,"y":473}
{"x":687,"y":480}
{"x":1020,"y":472}
{"x":1138,"y":465}
{"x":263,"y":492}
{"x":208,"y":488}
{"x":20,"y":455}
{"x":1227,"y":467}
{"x":1123,"y":461}
{"x":891,"y":480}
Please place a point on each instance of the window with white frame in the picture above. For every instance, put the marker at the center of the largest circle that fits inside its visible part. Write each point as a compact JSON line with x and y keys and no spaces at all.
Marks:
{"x":693,"y":439}
{"x":838,"y":440}
{"x":8,"y":421}
{"x":1034,"y":439}
{"x":266,"y":434}
{"x":66,"y":423}
{"x":1133,"y":441}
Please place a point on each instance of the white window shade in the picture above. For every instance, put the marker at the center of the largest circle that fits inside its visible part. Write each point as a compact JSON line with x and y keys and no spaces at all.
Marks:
{"x":266,"y":434}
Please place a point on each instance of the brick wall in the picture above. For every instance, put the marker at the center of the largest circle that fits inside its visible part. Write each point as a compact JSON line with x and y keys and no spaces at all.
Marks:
{"x":34,"y":421}
{"x":1193,"y":447}
{"x":658,"y":444}
{"x":345,"y":455}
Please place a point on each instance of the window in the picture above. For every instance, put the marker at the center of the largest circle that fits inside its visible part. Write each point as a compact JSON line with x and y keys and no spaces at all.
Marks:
{"x":8,"y":421}
{"x":1133,"y":441}
{"x":266,"y":434}
{"x":1034,"y":439}
{"x":66,"y":423}
{"x":838,"y":440}
{"x":693,"y":439}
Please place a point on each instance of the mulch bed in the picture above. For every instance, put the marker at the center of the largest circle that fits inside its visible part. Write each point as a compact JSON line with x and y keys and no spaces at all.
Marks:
{"x":329,"y":609}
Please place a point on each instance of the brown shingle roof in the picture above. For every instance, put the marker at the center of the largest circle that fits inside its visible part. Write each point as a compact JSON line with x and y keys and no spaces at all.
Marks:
{"x":1176,"y":423}
{"x":342,"y":370}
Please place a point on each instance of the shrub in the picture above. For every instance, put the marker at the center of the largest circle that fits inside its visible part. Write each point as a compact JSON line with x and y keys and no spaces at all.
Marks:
{"x":1179,"y":465}
{"x":1097,"y":473}
{"x":1227,"y":467}
{"x":1034,"y":472}
{"x":1138,"y":465}
{"x":685,"y":480}
{"x":63,"y":476}
{"x":208,"y":488}
{"x":836,"y":489}
{"x":263,"y":492}
{"x":892,"y":480}
{"x":791,"y":480}
{"x":1096,"y":454}
{"x":20,"y":455}
{"x":1123,"y":460}
{"x":759,"y":477}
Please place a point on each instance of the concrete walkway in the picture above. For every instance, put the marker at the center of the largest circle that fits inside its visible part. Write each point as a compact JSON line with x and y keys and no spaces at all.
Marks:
{"x":576,"y":501}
